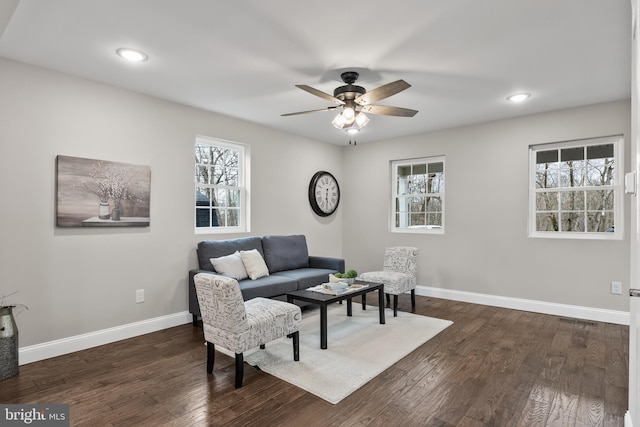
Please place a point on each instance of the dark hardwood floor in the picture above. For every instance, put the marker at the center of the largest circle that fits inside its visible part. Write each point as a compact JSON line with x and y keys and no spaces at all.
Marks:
{"x":492,"y":367}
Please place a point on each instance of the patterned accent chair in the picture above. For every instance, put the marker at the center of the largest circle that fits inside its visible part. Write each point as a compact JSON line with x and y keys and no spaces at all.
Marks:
{"x":239,"y":325}
{"x":398,"y":274}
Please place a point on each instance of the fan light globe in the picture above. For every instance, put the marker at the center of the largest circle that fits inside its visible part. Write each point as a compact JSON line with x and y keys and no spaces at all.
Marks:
{"x":361,"y":120}
{"x":339,"y":121}
{"x":349,"y":114}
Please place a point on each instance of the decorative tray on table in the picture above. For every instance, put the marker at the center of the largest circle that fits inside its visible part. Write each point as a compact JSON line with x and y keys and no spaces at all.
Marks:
{"x":336,"y":288}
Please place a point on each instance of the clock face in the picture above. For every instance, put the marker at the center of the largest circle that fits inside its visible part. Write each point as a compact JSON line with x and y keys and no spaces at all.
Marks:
{"x":324,"y":193}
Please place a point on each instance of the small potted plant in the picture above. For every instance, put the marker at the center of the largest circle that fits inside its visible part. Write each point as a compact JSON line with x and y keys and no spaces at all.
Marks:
{"x":347,"y":277}
{"x":8,"y":338}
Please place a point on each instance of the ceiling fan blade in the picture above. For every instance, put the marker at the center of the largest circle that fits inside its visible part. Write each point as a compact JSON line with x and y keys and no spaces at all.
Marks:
{"x":385,"y":110}
{"x":382,"y":92}
{"x":310,"y":111}
{"x":321,"y":94}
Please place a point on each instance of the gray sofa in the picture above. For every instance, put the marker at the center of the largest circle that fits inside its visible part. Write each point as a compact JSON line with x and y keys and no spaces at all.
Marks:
{"x":287,"y":259}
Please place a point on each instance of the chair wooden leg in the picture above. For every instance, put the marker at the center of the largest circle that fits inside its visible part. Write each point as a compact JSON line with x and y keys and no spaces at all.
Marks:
{"x":262,"y":346}
{"x":395,"y":306}
{"x":296,"y":346}
{"x":413,"y":299}
{"x":388,"y":300}
{"x":210,"y":356}
{"x":239,"y":369}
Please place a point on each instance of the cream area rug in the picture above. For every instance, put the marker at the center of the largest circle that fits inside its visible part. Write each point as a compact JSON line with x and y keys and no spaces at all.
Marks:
{"x":359,"y":348}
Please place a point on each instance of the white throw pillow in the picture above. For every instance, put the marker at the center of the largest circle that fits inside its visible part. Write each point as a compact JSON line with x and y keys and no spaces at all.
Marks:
{"x":230,"y":265}
{"x":254,"y":264}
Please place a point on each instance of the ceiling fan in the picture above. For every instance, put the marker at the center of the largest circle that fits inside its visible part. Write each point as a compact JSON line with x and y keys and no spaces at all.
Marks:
{"x":355,"y":101}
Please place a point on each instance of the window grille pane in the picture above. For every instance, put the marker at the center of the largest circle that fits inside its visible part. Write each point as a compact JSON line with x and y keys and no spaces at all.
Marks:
{"x":434,"y":219}
{"x":419,"y":169}
{"x":572,"y":201}
{"x":417,"y":184}
{"x":417,"y":219}
{"x":433,"y":204}
{"x":547,"y":175}
{"x":550,"y":156}
{"x":602,"y":221}
{"x":416,"y":205}
{"x":572,"y":221}
{"x":600,"y":151}
{"x":203,"y":217}
{"x":435,"y":183}
{"x":572,"y":174}
{"x":547,"y":221}
{"x":598,"y":200}
{"x":404,"y":170}
{"x":570,"y":154}
{"x":547,"y":201}
{"x":436,"y":167}
{"x":600,"y":172}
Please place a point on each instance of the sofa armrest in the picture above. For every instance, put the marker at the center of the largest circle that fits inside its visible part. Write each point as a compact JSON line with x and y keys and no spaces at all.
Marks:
{"x":336,"y":264}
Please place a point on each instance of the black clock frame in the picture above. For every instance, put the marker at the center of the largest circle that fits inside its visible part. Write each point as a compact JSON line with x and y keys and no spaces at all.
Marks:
{"x":312,"y":193}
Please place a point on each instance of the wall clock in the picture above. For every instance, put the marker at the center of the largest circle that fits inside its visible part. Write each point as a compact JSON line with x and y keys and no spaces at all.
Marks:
{"x":324,"y":193}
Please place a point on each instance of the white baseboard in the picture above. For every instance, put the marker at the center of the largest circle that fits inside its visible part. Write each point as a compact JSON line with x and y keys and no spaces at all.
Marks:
{"x":627,"y":420}
{"x":34,"y":353}
{"x":578,"y":312}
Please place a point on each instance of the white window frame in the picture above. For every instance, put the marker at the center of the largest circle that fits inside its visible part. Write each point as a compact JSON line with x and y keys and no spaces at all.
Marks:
{"x":243,"y":186}
{"x":427,"y":229}
{"x":617,"y":187}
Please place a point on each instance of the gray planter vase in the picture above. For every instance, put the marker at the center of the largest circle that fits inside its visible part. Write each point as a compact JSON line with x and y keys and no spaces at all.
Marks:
{"x":8,"y":344}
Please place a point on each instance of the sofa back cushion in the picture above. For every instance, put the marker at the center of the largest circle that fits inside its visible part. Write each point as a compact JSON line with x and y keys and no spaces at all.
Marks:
{"x":285,"y":252}
{"x":208,"y":249}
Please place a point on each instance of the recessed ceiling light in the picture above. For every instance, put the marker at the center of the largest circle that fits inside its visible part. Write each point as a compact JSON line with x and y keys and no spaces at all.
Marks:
{"x":132,"y":54}
{"x":519,"y":97}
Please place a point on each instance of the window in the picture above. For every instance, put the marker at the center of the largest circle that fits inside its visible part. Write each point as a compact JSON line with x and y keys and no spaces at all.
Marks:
{"x":220,"y":196}
{"x":418,"y":195}
{"x":576,"y":189}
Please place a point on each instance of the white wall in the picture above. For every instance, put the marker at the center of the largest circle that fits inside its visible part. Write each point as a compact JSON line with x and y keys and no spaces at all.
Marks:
{"x":485,"y":248}
{"x":77,"y":281}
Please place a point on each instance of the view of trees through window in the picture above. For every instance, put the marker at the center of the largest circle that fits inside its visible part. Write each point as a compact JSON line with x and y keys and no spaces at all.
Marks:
{"x":419,"y":194}
{"x":218,"y":185}
{"x":575,"y":188}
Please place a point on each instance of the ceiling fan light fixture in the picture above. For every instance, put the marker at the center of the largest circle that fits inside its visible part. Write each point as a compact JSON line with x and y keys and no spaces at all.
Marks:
{"x":361,"y":120}
{"x":349,"y":114}
{"x":352,"y":131}
{"x":339,"y":121}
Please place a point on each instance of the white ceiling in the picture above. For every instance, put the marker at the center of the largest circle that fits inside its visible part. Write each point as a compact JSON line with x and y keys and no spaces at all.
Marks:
{"x":242,"y":58}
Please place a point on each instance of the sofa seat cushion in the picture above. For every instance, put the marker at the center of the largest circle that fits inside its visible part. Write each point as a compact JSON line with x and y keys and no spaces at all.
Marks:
{"x":268,"y":286}
{"x":285,"y":252}
{"x":307,"y":277}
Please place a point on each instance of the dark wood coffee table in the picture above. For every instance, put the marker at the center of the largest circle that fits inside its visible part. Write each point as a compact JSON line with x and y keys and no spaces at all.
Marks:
{"x":323,"y":300}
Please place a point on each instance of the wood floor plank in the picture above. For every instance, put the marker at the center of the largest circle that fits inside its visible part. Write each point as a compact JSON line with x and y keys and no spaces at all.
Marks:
{"x":492,"y":367}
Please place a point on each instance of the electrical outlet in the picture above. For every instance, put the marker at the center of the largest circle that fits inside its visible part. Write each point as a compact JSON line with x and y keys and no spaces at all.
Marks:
{"x":139,"y":296}
{"x":616,"y":288}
